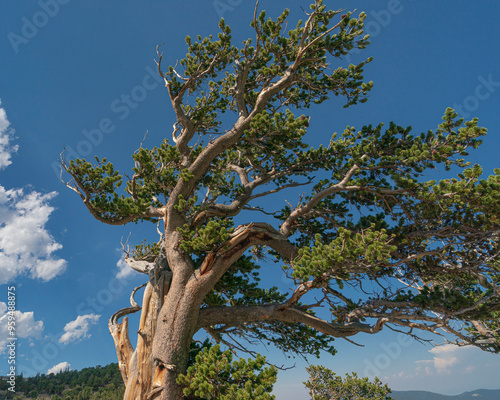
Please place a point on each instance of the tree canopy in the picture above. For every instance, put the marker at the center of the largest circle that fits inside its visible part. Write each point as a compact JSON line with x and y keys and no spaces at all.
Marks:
{"x":369,"y":243}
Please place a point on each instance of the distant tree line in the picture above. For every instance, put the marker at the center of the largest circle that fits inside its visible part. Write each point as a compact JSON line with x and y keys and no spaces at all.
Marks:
{"x":94,"y":383}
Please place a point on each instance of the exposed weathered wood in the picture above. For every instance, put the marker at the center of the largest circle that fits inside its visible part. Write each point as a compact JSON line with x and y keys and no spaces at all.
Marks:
{"x":119,"y":332}
{"x":123,"y":347}
{"x":140,"y":364}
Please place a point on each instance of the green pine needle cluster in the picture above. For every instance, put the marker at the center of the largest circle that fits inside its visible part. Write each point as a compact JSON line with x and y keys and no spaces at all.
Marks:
{"x":323,"y":384}
{"x":215,"y":375}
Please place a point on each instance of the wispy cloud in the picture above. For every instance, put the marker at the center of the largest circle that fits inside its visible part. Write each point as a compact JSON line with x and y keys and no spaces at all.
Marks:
{"x":26,"y":326}
{"x":78,"y":329}
{"x":59,"y":368}
{"x":470,"y":368}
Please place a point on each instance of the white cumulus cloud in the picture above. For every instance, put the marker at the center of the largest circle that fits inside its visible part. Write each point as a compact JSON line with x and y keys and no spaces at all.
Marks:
{"x":79,"y":328}
{"x":59,"y":368}
{"x":25,"y":326}
{"x":442,"y":365}
{"x":25,"y":244}
{"x":445,"y":357}
{"x":6,"y":135}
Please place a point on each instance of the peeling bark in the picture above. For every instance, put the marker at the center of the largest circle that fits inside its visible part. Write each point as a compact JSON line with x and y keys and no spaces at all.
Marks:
{"x":136,"y":366}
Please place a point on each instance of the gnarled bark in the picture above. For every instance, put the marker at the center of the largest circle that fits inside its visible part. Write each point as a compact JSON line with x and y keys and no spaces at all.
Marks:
{"x":136,"y":366}
{"x":177,"y":325}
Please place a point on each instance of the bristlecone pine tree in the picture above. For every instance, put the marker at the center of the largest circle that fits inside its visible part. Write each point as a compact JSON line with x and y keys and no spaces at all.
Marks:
{"x":370,"y":244}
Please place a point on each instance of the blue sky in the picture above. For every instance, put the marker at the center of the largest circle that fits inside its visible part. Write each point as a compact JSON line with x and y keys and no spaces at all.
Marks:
{"x":81,"y":75}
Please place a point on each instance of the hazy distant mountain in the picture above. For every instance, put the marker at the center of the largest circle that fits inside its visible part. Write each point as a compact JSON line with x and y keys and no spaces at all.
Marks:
{"x":480,"y":394}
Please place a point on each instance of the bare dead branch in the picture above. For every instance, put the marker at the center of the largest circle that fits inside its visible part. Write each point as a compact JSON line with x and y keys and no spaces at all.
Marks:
{"x":128,"y":310}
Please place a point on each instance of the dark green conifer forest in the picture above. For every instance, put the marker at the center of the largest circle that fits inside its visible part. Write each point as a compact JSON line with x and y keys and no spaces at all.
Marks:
{"x":95,"y":383}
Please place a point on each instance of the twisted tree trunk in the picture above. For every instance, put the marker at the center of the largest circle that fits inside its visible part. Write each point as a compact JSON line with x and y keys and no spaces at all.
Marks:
{"x":178,"y":322}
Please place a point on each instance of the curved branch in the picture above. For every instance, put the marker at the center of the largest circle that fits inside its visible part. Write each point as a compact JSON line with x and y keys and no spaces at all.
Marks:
{"x":231,"y":210}
{"x":234,"y":316}
{"x":128,"y":310}
{"x":85,"y":195}
{"x":405,"y":314}
{"x":260,"y":233}
{"x":188,"y":130}
{"x":308,"y":207}
{"x":217,"y":262}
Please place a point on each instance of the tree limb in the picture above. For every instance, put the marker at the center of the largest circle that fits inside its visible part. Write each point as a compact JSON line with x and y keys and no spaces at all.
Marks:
{"x":86,"y":196}
{"x":308,"y":207}
{"x":239,"y":315}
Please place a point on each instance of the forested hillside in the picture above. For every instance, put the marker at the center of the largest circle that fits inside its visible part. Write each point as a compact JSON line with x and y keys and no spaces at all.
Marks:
{"x":95,"y":383}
